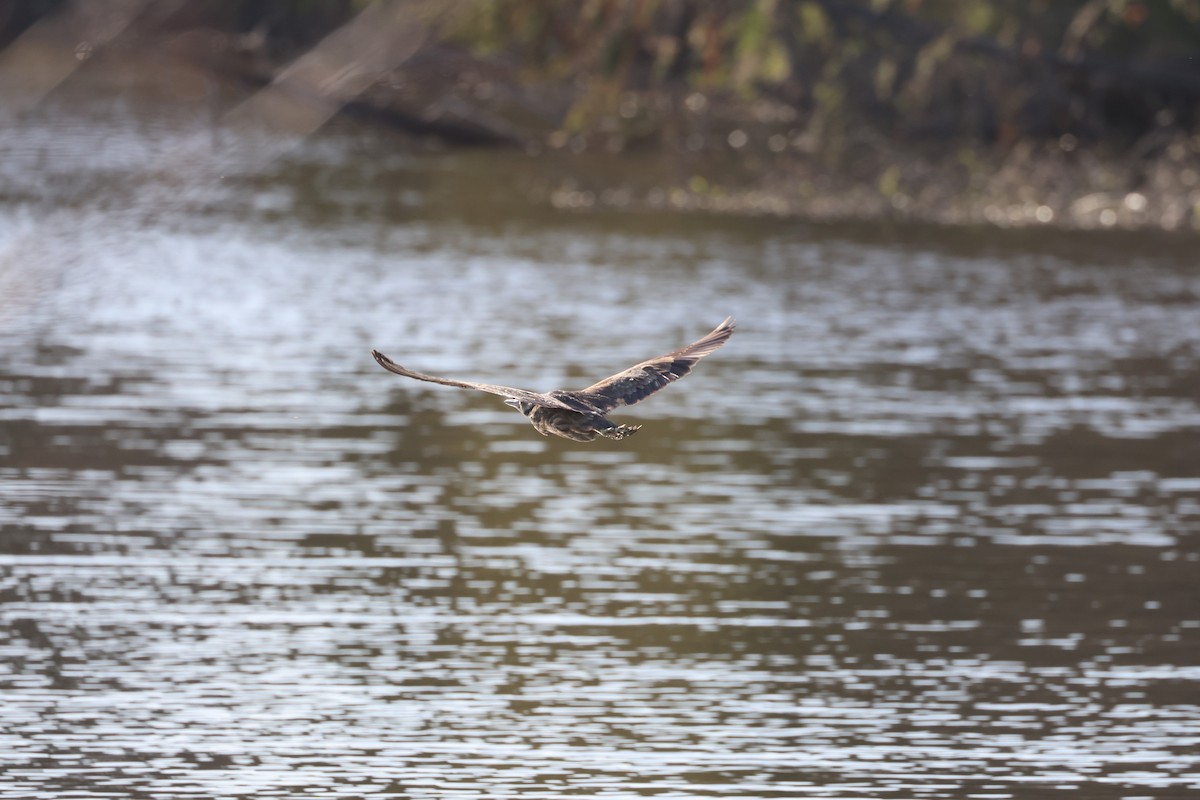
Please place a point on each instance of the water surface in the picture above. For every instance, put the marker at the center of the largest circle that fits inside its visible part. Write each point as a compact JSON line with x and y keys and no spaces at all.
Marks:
{"x":927,"y":527}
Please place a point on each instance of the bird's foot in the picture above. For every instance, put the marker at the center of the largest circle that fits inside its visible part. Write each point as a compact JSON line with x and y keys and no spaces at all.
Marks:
{"x":622,"y":431}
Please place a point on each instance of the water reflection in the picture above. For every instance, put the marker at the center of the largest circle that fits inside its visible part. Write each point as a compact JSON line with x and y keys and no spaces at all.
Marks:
{"x":927,"y":528}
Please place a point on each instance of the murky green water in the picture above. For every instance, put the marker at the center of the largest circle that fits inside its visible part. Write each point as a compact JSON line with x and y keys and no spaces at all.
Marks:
{"x":929,"y":526}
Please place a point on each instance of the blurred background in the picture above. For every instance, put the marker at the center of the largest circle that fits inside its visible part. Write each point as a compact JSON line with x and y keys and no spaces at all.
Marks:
{"x":1053,"y":112}
{"x":928,"y":526}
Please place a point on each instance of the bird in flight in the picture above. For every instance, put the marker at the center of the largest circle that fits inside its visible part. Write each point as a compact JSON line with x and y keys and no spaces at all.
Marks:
{"x":582,"y":415}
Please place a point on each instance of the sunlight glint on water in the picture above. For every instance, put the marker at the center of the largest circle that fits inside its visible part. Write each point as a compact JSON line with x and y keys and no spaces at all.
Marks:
{"x":926,"y":527}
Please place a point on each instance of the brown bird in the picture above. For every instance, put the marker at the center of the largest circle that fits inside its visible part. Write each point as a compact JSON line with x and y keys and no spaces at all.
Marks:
{"x":581,"y":415}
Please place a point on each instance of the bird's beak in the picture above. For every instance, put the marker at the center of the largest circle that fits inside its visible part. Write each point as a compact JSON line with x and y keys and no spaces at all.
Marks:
{"x":511,"y":401}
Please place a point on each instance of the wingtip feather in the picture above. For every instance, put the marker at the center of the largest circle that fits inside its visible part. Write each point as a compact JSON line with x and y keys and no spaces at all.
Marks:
{"x":388,"y":364}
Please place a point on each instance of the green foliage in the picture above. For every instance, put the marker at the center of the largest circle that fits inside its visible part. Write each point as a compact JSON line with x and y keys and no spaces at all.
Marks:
{"x":758,"y":54}
{"x":814,"y":24}
{"x":971,"y":68}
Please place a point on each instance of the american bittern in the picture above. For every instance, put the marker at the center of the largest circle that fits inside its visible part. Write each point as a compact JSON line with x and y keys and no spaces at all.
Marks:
{"x":581,"y":415}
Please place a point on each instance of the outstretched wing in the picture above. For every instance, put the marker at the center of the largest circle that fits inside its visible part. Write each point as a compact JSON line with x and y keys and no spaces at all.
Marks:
{"x":640,"y":381}
{"x":503,"y":391}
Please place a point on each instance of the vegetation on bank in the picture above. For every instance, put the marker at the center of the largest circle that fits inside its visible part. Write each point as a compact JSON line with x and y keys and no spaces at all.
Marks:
{"x":999,"y":111}
{"x":986,"y":70}
{"x":1073,"y":112}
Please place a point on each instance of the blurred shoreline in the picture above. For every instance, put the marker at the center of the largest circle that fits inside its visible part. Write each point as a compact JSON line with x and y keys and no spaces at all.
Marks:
{"x":771,"y":121}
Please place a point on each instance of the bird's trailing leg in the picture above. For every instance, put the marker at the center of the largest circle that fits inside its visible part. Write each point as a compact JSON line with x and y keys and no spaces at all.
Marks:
{"x":619,"y":431}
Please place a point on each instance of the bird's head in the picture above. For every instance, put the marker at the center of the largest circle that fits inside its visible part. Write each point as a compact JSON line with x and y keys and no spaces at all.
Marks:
{"x":524,"y":406}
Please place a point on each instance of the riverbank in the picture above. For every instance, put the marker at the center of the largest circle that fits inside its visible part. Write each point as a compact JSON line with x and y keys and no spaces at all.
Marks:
{"x":821,"y":111}
{"x":716,"y":152}
{"x":753,"y":169}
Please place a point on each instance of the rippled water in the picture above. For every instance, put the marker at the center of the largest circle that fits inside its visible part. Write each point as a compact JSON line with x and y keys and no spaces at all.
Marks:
{"x":927,"y":527}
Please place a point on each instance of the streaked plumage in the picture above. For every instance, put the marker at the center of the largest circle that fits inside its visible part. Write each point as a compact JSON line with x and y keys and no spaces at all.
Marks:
{"x":581,"y":415}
